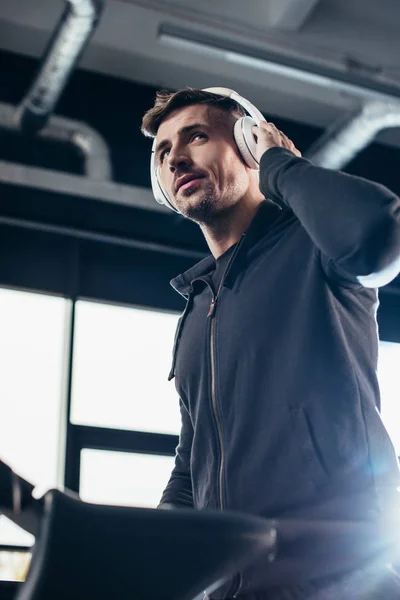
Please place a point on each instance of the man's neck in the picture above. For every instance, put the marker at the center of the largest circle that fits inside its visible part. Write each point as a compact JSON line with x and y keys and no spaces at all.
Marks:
{"x":225,"y":231}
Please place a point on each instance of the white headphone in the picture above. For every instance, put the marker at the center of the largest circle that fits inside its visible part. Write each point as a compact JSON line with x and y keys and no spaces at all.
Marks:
{"x":243,"y":135}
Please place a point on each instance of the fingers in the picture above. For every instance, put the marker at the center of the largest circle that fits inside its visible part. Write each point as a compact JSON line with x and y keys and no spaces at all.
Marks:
{"x":289,"y":144}
{"x":279,"y":137}
{"x":269,"y":133}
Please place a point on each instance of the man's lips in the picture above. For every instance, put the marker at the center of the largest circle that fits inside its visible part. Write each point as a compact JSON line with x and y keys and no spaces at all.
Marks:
{"x":186,"y":181}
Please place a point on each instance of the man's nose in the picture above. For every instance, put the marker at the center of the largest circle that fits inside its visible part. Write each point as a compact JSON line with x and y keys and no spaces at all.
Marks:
{"x":178,"y":159}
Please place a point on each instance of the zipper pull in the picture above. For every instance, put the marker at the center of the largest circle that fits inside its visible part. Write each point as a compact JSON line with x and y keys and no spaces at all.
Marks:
{"x":212,"y":307}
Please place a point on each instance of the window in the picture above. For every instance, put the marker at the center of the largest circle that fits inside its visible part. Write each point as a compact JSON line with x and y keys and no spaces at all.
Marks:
{"x":14,"y":566}
{"x":12,"y":535}
{"x":122,"y":357}
{"x":388,"y":369}
{"x":31,"y":353}
{"x":123,"y":478}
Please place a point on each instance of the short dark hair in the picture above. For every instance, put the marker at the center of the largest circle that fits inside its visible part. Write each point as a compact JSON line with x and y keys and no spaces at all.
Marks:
{"x":166,"y":102}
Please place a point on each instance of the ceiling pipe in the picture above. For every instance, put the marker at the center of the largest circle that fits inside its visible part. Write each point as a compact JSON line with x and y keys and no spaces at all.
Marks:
{"x":89,"y":142}
{"x":341,"y":142}
{"x":64,"y":49}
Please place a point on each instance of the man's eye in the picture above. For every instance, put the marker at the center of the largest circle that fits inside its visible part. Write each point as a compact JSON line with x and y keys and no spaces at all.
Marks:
{"x":201,"y":135}
{"x":162,"y":155}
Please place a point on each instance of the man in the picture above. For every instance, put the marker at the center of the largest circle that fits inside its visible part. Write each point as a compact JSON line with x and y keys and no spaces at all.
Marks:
{"x":275,"y":354}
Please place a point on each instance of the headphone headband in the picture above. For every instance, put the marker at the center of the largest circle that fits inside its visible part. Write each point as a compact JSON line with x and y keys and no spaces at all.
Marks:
{"x":228,"y":93}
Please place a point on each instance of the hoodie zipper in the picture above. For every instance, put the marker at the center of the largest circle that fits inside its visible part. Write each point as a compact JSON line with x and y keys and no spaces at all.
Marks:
{"x":214,"y":404}
{"x":237,"y":582}
{"x":211,"y":315}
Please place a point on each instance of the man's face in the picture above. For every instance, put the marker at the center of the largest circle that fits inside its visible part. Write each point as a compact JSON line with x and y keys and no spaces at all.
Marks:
{"x":200,"y":166}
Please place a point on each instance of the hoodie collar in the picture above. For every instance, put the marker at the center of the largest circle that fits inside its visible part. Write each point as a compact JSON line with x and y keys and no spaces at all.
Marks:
{"x":266,"y":214}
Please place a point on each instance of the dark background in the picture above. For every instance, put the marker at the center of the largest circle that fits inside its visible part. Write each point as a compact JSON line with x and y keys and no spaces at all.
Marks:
{"x":71,"y":267}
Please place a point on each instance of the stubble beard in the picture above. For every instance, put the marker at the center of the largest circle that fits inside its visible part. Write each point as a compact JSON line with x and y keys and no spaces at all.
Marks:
{"x":202,"y":209}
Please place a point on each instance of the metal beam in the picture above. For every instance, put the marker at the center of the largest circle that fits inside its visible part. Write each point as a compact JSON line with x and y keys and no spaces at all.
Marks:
{"x":78,"y":185}
{"x":121,"y":440}
{"x":94,"y":236}
{"x":289,"y":15}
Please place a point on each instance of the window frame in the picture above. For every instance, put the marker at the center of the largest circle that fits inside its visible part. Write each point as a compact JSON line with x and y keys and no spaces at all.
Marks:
{"x":80,"y":437}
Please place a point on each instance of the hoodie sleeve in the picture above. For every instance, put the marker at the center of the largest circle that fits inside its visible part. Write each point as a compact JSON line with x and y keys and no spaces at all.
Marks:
{"x":178,"y":493}
{"x":353,"y":222}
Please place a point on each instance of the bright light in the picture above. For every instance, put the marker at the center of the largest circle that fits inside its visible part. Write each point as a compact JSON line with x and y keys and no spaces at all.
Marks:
{"x":31,"y":355}
{"x":388,"y":370}
{"x":122,"y":358}
{"x":120,"y":478}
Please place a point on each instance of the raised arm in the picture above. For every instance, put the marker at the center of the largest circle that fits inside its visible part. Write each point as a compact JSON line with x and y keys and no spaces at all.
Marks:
{"x":355,"y":223}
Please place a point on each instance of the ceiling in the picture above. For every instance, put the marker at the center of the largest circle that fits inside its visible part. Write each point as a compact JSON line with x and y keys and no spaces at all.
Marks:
{"x":352,"y":39}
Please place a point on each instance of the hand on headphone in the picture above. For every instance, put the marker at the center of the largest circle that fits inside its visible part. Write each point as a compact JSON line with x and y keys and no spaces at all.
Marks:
{"x":268,"y":136}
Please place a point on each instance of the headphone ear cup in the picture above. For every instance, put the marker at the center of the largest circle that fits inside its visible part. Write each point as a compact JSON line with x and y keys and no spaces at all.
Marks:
{"x":246,"y":141}
{"x":159,"y":193}
{"x":157,"y":188}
